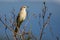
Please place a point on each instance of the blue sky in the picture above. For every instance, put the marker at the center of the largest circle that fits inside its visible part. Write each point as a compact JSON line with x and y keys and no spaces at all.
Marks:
{"x":5,"y":7}
{"x":30,"y":0}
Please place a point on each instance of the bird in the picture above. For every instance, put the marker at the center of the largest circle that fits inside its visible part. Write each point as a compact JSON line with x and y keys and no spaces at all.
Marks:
{"x":21,"y":17}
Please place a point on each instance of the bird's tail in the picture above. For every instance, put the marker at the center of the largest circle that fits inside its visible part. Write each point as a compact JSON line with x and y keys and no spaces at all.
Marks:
{"x":18,"y":26}
{"x":16,"y":29}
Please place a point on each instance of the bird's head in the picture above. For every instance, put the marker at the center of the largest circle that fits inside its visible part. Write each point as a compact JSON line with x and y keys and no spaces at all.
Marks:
{"x":24,"y":7}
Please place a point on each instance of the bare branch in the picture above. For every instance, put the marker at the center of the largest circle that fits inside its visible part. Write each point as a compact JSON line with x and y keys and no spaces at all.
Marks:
{"x":44,"y":25}
{"x":5,"y":25}
{"x":7,"y":35}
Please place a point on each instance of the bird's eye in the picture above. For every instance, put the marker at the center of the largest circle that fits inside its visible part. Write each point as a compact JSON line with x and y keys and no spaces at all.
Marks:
{"x":24,"y":7}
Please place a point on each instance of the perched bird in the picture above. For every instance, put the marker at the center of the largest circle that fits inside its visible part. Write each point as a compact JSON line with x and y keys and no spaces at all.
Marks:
{"x":21,"y":17}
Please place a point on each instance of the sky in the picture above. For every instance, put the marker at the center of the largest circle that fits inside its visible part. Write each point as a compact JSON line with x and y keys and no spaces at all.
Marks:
{"x":52,"y":7}
{"x":29,"y":0}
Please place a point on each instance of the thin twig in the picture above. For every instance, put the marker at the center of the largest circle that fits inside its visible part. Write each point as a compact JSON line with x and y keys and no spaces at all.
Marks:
{"x":7,"y":35}
{"x":5,"y":25}
{"x":44,"y":25}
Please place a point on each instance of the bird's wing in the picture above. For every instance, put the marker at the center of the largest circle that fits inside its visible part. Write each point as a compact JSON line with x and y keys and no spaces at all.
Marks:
{"x":17,"y":18}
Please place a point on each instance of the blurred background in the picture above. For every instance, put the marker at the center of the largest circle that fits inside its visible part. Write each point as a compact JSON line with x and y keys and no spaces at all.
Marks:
{"x":51,"y":32}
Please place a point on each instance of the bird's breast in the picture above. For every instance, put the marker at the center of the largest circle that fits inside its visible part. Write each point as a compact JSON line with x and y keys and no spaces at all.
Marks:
{"x":23,"y":15}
